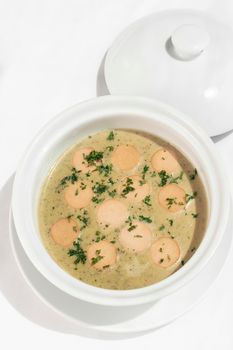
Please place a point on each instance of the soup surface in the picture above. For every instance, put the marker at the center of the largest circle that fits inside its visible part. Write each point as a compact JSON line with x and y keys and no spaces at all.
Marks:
{"x":122,"y":210}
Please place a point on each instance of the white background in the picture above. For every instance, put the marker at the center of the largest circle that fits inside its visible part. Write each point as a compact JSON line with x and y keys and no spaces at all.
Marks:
{"x":50,"y":54}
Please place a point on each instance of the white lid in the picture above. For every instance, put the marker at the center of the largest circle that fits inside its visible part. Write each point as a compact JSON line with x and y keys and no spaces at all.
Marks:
{"x":181,"y":57}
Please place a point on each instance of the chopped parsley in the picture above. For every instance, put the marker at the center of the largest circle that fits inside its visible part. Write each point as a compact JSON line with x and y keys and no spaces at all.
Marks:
{"x":170,"y":202}
{"x":78,"y":253}
{"x":147,"y":200}
{"x":96,"y":258}
{"x":72,"y":178}
{"x":97,"y":200}
{"x":170,"y":222}
{"x":193,"y":175}
{"x":161,"y":228}
{"x":166,"y":178}
{"x":99,"y":237}
{"x":163,"y":178}
{"x":99,"y":188}
{"x":174,"y":180}
{"x":93,"y":157}
{"x":127,"y":187}
{"x":82,"y":186}
{"x":189,"y":197}
{"x":194,"y":215}
{"x":109,"y":148}
{"x":131,"y":227}
{"x":129,"y":220}
{"x":84,"y":219}
{"x":144,"y":171}
{"x":112,"y":193}
{"x":142,"y":182}
{"x":110,"y":180}
{"x":145,"y":219}
{"x":104,"y":169}
{"x":111,"y":136}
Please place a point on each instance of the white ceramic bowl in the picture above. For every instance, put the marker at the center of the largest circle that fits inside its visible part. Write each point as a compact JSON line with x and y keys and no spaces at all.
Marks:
{"x":117,"y":112}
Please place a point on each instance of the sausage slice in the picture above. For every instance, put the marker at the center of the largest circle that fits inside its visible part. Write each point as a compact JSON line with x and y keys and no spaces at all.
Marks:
{"x":65,"y":231}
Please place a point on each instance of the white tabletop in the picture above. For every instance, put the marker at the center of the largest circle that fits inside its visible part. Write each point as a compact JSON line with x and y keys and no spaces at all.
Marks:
{"x":50,"y":54}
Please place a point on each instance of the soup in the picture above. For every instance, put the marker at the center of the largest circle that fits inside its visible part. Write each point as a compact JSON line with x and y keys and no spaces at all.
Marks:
{"x":122,"y":209}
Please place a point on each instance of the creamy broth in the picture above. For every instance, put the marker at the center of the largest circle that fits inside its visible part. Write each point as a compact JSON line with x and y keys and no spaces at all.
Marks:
{"x":122,"y":209}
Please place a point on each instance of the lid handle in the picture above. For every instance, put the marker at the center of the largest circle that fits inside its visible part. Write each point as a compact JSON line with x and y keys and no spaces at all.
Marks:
{"x":189,"y":40}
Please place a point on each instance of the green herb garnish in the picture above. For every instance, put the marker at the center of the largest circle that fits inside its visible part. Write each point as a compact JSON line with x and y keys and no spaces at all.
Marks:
{"x":97,"y":258}
{"x":127,"y":187}
{"x":194,"y":215}
{"x":147,"y":201}
{"x":174,"y":180}
{"x":109,"y":148}
{"x":111,"y":136}
{"x":131,"y":227}
{"x":189,"y":197}
{"x":193,"y":175}
{"x":99,"y":188}
{"x":166,"y":178}
{"x":97,"y":200}
{"x":163,"y":178}
{"x":82,"y":186}
{"x":171,"y":222}
{"x":84,"y":219}
{"x":161,"y":228}
{"x":142,"y":182}
{"x":68,"y":179}
{"x":99,"y":237}
{"x":77,"y":252}
{"x":145,"y":219}
{"x":110,"y":180}
{"x":128,"y":220}
{"x":170,"y":202}
{"x":93,"y":157}
{"x":144,"y":171}
{"x":104,"y":169}
{"x":112,"y":193}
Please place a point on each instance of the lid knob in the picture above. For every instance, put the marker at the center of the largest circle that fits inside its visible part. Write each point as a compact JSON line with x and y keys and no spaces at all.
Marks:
{"x":189,"y":40}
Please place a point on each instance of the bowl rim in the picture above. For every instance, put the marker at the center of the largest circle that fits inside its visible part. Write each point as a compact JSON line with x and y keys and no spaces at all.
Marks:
{"x":155,"y":291}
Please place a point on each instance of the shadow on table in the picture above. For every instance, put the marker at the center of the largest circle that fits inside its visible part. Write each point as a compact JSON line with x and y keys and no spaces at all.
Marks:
{"x":25,"y":300}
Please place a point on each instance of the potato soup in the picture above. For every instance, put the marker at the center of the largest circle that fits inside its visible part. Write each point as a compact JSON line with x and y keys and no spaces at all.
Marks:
{"x":122,"y":210}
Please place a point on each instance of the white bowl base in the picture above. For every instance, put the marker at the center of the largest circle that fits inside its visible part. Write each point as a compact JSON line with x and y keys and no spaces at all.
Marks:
{"x":118,"y":322}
